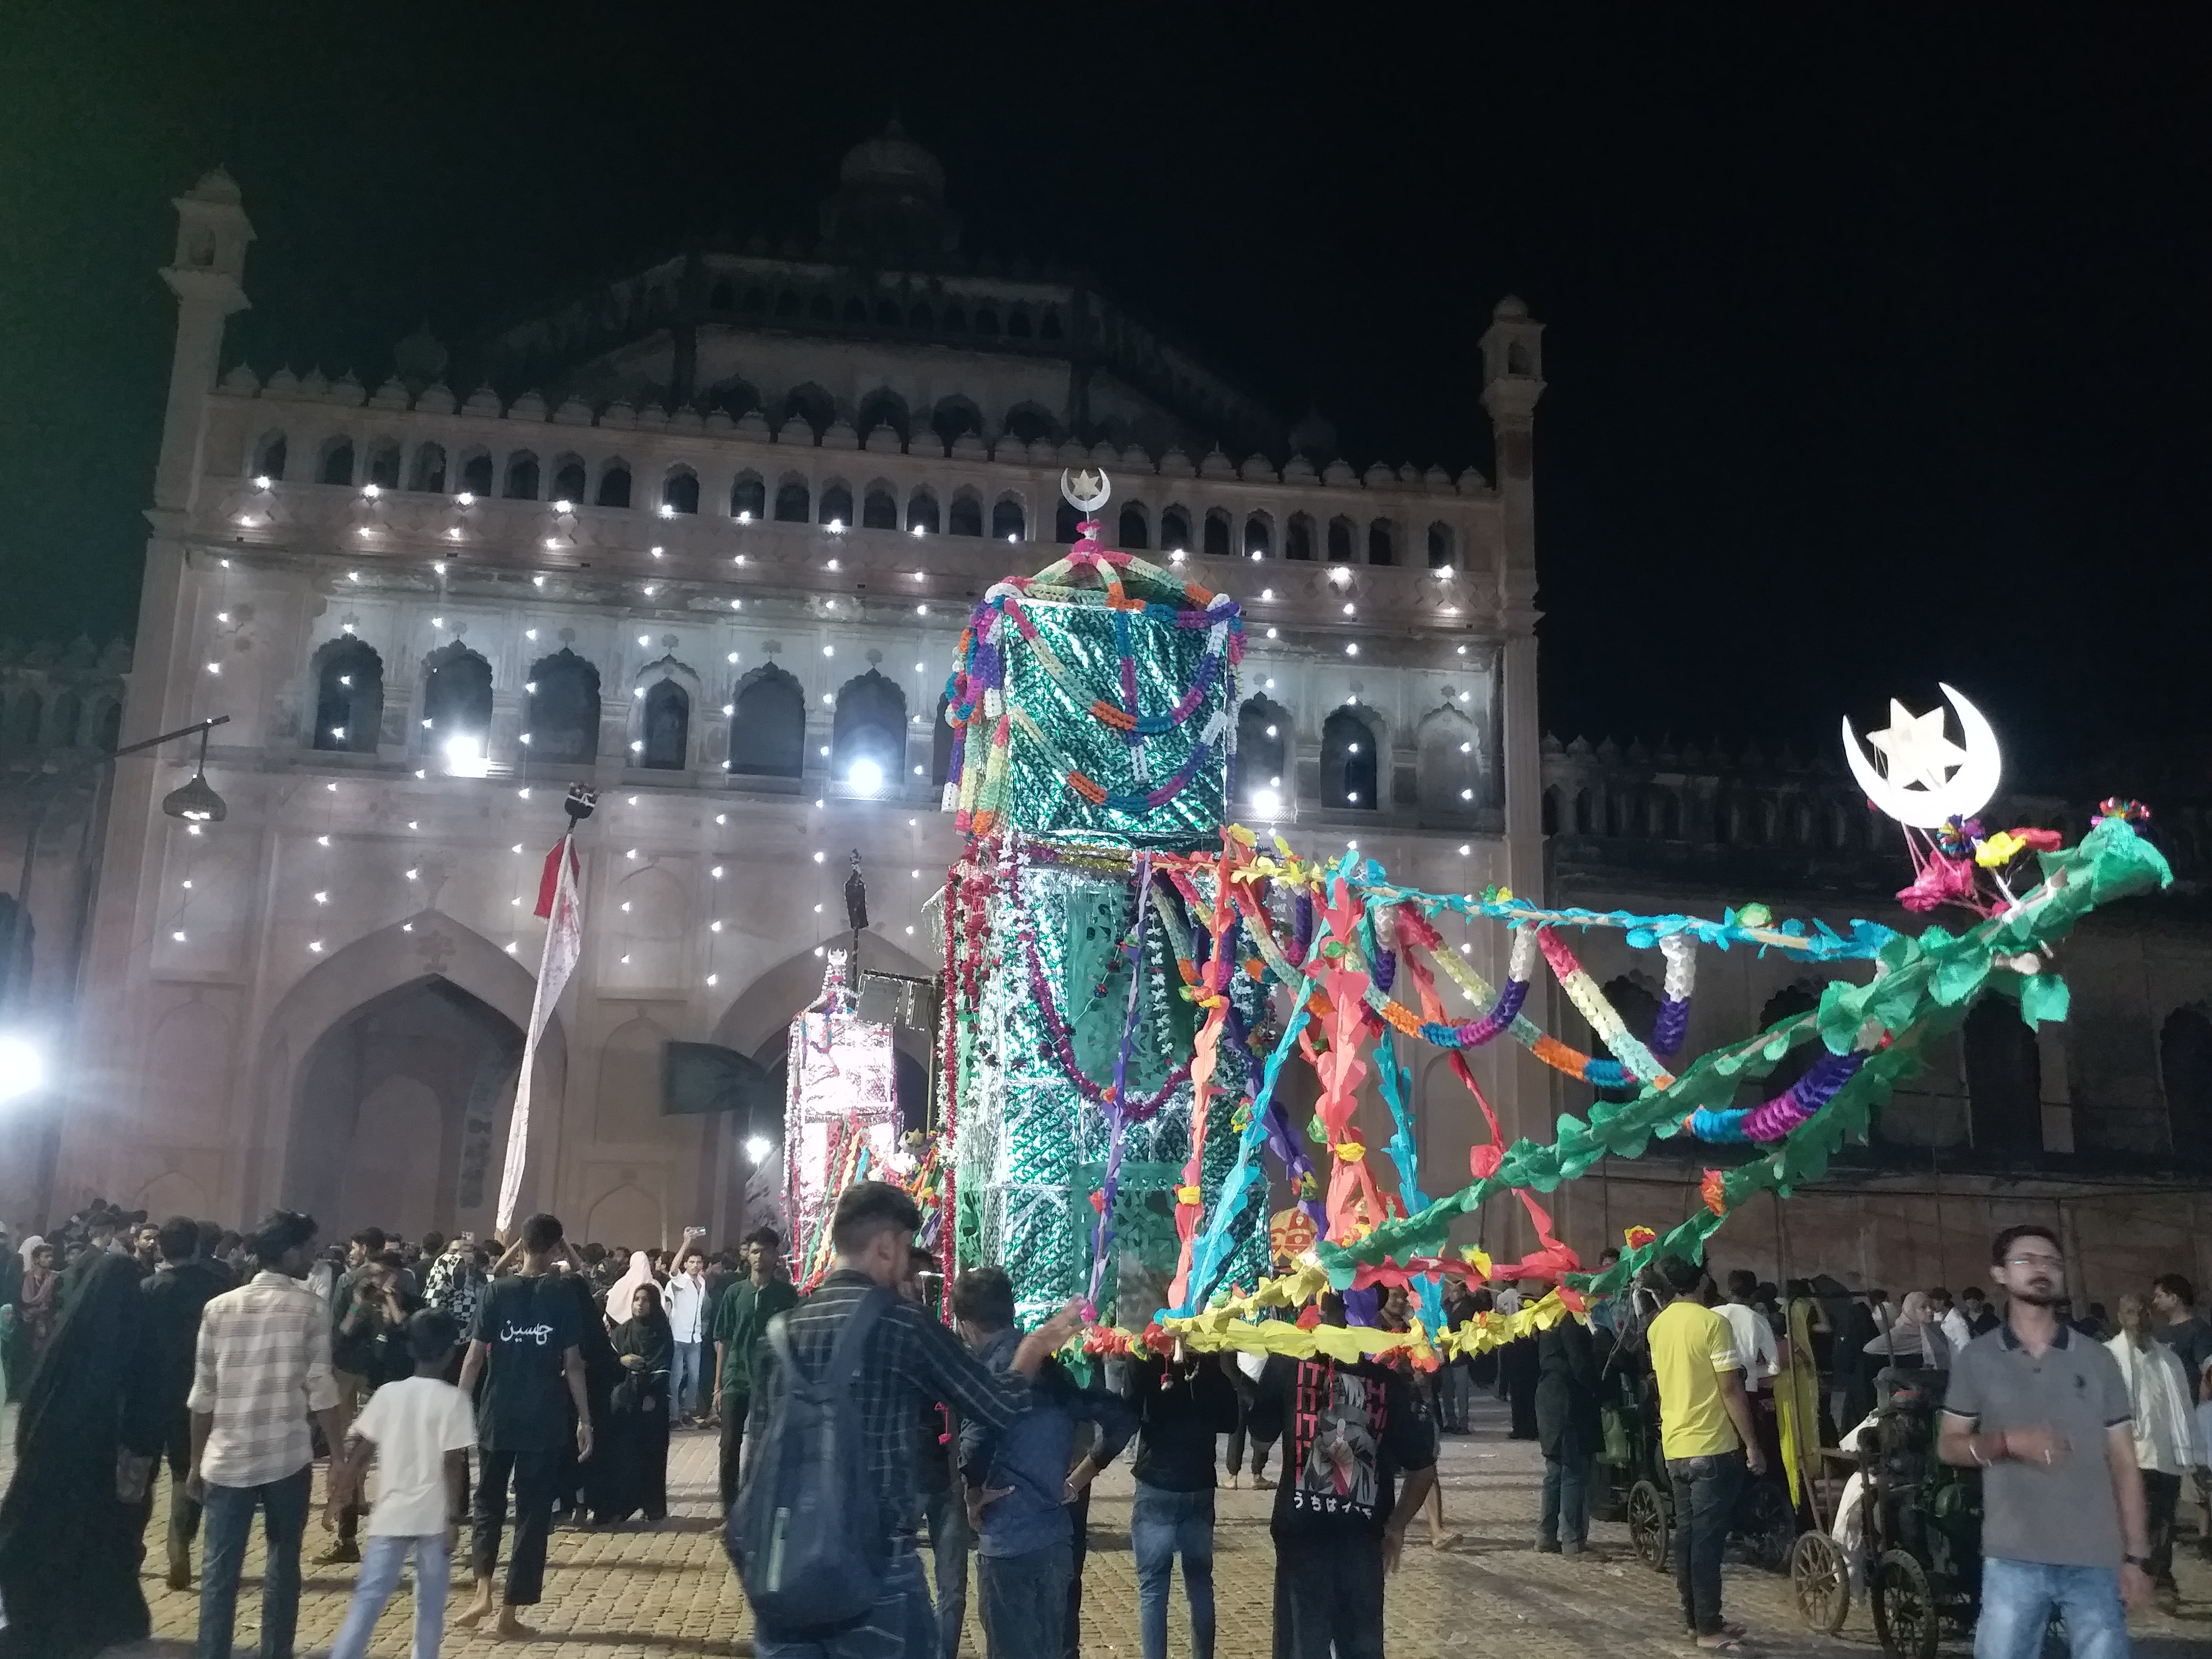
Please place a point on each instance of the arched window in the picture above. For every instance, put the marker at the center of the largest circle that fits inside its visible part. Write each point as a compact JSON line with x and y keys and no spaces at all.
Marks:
{"x":665,"y":745}
{"x":879,"y":509}
{"x":1132,"y":532}
{"x":1263,"y":747}
{"x":1382,"y":546}
{"x":856,"y":311}
{"x":1259,"y":536}
{"x":61,"y":724}
{"x":919,"y":317}
{"x":1017,"y":324}
{"x":111,"y":726}
{"x":2004,"y":1080}
{"x":837,"y":506}
{"x":521,"y":476}
{"x":882,"y":407}
{"x":1066,"y":523}
{"x":966,"y":518}
{"x":457,"y":708}
{"x":748,"y":497}
{"x":887,"y":313}
{"x":1216,"y":533}
{"x":1583,"y":820}
{"x":1050,"y":328}
{"x":1174,"y":530}
{"x":1007,"y":521}
{"x":787,"y":303}
{"x":1449,"y":764}
{"x":1670,"y":816}
{"x":756,"y":300}
{"x":1340,"y":534}
{"x":24,"y":714}
{"x":428,"y":472}
{"x":954,"y":418}
{"x":568,"y":479}
{"x":476,"y":475}
{"x":269,"y":458}
{"x":987,"y":324}
{"x":822,"y":309}
{"x":1788,"y":1003}
{"x":792,"y":501}
{"x":1348,"y":763}
{"x":1639,"y":1013}
{"x":922,"y":511}
{"x":679,"y":492}
{"x":349,"y":697}
{"x":867,"y":739}
{"x":562,"y":716}
{"x":1298,"y":540}
{"x":384,"y":463}
{"x":1442,"y":547}
{"x":768,"y":734}
{"x":2184,"y":1064}
{"x":338,"y":462}
{"x":1552,"y":810}
{"x":721,"y":297}
{"x":812,"y":404}
{"x":1032,"y":423}
{"x":614,"y":486}
{"x":1517,"y":358}
{"x":956,"y":320}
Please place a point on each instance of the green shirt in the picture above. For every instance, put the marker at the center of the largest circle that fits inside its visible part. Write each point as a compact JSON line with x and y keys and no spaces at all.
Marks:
{"x":740,"y":1322}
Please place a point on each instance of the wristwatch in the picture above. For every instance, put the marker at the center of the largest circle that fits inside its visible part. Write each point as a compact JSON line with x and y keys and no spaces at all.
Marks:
{"x":2140,"y":1563}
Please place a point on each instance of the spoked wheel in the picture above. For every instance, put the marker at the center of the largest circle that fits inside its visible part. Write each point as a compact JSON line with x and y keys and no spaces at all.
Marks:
{"x":1647,"y":1525}
{"x":1822,"y":1580}
{"x":1768,"y":1527}
{"x":1905,"y":1617}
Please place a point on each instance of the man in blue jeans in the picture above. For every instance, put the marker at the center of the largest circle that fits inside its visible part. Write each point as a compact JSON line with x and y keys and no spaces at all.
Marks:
{"x":2045,"y":1414}
{"x":1022,"y":1478}
{"x":1180,"y":1408}
{"x":1706,"y":1435}
{"x":262,"y":1366}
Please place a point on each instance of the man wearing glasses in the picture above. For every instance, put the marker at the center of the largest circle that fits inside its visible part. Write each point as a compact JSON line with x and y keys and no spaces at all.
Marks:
{"x":2043,"y":1412}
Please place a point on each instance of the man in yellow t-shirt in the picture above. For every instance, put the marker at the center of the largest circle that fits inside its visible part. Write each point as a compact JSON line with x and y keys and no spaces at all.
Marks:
{"x":1705,"y":1436}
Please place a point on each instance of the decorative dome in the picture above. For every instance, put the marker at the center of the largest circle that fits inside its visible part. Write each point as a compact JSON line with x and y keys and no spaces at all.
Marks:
{"x":894,"y":160}
{"x":890,"y":199}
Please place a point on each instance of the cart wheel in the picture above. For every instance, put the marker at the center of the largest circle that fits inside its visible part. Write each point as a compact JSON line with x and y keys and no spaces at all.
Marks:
{"x":1905,"y":1617}
{"x":1769,"y":1526}
{"x":1647,"y":1525}
{"x":1822,"y":1580}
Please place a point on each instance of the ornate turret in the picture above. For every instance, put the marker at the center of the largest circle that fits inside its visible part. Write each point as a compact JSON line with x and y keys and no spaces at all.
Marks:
{"x":890,"y":199}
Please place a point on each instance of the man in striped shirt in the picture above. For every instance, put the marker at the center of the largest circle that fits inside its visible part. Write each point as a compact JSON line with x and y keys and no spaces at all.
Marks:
{"x":262,"y":1367}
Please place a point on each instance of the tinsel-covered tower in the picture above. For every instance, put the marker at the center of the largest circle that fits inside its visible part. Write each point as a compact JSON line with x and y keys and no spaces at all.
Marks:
{"x":1094,"y":716}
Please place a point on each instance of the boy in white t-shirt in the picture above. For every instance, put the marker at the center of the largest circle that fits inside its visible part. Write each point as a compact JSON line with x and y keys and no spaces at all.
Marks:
{"x":419,"y":1431}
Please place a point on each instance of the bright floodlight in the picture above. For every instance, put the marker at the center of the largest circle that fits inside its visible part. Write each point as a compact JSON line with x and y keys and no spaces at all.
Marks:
{"x":464,"y":756}
{"x":1266,"y":803}
{"x":757,"y":1147}
{"x":866,"y":775}
{"x":22,"y":1067}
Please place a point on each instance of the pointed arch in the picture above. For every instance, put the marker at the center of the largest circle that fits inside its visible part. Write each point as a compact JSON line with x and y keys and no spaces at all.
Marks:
{"x":768,"y":734}
{"x":428,"y":475}
{"x":561,"y":717}
{"x":1263,"y":783}
{"x":349,"y":678}
{"x":614,"y":485}
{"x":456,"y":707}
{"x":1451,"y":764}
{"x":1351,"y":765}
{"x":869,"y":731}
{"x":521,"y":476}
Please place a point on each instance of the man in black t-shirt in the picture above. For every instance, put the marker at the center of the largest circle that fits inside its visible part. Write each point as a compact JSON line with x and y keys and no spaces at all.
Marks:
{"x":527,"y":1347}
{"x":1348,"y":1431}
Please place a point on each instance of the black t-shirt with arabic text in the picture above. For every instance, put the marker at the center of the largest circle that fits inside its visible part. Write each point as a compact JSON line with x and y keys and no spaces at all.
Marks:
{"x":1348,"y":1432}
{"x":529,"y":1323}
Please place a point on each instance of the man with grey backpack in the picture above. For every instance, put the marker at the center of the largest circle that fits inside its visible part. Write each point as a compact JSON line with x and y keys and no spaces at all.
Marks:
{"x":823,"y":1532}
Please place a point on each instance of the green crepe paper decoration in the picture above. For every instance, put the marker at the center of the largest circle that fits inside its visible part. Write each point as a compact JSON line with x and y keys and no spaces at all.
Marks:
{"x":1923,"y":987}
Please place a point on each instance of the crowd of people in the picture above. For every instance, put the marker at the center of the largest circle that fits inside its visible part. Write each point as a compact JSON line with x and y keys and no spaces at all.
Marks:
{"x":511,"y":1386}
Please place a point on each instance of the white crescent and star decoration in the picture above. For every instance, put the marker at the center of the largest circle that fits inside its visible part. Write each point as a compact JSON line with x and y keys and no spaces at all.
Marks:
{"x":1930,"y":780}
{"x":1087,"y":489}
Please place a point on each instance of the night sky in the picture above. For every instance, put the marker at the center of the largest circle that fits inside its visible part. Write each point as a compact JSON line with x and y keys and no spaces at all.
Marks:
{"x":1880,"y":346}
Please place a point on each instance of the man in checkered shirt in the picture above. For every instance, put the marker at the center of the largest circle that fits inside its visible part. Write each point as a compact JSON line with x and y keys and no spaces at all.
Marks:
{"x":262,"y":1367}
{"x":908,"y":1362}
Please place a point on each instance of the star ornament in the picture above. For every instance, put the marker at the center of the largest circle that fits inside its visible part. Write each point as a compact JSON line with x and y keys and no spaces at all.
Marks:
{"x":1915,"y":748}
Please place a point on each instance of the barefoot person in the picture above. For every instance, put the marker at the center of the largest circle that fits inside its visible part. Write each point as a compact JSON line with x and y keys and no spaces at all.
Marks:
{"x":527,"y":1347}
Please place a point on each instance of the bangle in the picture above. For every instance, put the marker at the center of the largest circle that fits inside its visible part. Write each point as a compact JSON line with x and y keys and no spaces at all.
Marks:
{"x":1974,"y":1451}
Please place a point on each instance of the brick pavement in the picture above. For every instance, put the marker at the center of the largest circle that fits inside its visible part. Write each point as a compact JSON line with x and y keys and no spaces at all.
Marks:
{"x":668,"y":1593}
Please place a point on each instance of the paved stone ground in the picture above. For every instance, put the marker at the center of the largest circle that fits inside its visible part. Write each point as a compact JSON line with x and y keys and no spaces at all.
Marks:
{"x":668,"y":1593}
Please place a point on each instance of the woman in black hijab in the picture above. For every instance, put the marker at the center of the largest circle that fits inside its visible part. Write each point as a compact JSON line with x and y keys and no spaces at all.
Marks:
{"x":70,"y":1525}
{"x":576,"y":1482}
{"x":636,"y":1475}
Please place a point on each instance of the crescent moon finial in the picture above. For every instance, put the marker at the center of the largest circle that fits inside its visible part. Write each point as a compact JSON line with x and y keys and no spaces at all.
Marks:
{"x":1912,"y":745}
{"x":1087,"y":489}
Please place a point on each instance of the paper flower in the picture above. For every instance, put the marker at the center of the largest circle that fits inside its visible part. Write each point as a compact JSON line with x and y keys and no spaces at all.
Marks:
{"x":1999,"y":850}
{"x":1485,"y":1160}
{"x":1638,"y":1237}
{"x":1714,"y":1191}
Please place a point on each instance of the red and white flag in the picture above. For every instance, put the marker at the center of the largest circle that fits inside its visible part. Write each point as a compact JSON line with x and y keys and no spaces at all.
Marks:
{"x":560,"y":902}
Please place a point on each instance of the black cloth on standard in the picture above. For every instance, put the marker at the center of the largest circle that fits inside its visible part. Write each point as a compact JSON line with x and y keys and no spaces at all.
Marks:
{"x":1517,"y":1365}
{"x":1566,"y":1386}
{"x":69,"y":1545}
{"x":636,"y":1479}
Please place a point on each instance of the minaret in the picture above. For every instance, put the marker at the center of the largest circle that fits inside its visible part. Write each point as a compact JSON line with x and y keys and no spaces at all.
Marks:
{"x":207,"y":277}
{"x":1512,"y":381}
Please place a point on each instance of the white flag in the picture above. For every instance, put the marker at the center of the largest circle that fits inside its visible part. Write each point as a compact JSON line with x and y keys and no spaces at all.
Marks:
{"x":562,"y":906}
